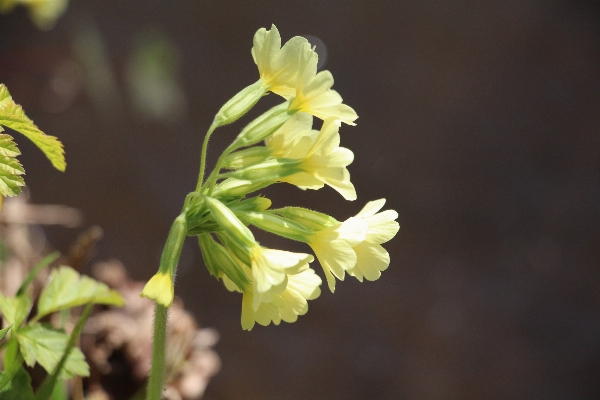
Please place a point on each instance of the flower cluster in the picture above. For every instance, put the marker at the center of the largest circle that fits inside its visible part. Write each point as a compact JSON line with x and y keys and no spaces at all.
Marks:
{"x":278,"y":146}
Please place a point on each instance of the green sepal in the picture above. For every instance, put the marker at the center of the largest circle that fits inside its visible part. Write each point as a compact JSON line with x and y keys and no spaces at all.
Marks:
{"x":310,"y":219}
{"x":219,"y":261}
{"x":267,"y":171}
{"x":240,"y":252}
{"x":68,"y":289}
{"x":12,"y":116}
{"x":263,"y":126}
{"x":232,"y":187}
{"x":245,"y":157}
{"x":230,"y":223}
{"x":277,"y":225}
{"x":240,"y":104}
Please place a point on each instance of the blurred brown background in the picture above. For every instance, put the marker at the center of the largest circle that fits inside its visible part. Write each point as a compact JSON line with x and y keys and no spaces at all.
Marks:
{"x":479,"y":122}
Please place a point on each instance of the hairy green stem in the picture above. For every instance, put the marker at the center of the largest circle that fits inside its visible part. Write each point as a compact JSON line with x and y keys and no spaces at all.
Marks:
{"x":157,"y":371}
{"x":203,"y":156}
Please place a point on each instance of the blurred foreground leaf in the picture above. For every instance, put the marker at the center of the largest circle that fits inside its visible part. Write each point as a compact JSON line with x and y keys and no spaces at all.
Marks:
{"x":68,"y":289}
{"x":46,"y":346}
{"x":10,"y":168}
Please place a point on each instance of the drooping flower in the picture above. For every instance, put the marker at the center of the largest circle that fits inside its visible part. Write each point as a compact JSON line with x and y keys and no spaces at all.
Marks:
{"x":160,"y":289}
{"x":324,"y":162}
{"x":372,"y":258}
{"x":278,"y":66}
{"x":354,"y":246}
{"x":285,"y":305}
{"x":314,"y":94}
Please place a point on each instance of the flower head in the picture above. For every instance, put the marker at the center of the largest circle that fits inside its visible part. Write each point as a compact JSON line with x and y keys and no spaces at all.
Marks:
{"x":160,"y":289}
{"x":278,"y":66}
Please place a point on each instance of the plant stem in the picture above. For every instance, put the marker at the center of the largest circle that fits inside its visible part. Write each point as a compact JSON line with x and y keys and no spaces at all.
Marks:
{"x":203,"y":156}
{"x":155,"y":383}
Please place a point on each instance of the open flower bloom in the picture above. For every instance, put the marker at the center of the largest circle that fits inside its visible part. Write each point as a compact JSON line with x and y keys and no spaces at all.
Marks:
{"x":287,"y":304}
{"x":314,"y":94}
{"x":323,"y":161}
{"x":160,"y":289}
{"x":278,"y":66}
{"x":371,"y":257}
{"x":354,"y":246}
{"x":270,"y":270}
{"x":333,"y":247}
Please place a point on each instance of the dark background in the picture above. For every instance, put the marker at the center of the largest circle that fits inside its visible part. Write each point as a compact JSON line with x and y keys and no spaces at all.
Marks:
{"x":478,"y":122}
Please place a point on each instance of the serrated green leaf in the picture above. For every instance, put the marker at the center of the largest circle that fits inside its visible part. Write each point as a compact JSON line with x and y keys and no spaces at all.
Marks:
{"x":4,"y":331}
{"x":19,"y":388}
{"x":13,"y":117}
{"x":10,"y":168}
{"x":68,"y":289}
{"x":44,"y":345}
{"x":15,"y":309}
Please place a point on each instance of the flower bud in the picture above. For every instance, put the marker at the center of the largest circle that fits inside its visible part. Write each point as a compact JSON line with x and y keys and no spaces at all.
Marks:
{"x":240,"y":104}
{"x":232,"y":187}
{"x":231,"y":224}
{"x":307,"y":218}
{"x":263,"y":126}
{"x":278,"y":225}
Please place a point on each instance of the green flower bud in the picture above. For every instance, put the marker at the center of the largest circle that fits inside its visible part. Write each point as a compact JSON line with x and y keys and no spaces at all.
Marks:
{"x":240,"y":104}
{"x":246,"y":157}
{"x":235,"y":229}
{"x":278,"y":225}
{"x":232,"y":187}
{"x":269,"y":170}
{"x":257,"y":203}
{"x":219,"y":261}
{"x":308,"y":218}
{"x":263,"y":126}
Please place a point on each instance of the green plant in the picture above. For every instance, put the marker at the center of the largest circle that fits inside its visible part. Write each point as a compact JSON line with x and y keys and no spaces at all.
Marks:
{"x":278,"y":146}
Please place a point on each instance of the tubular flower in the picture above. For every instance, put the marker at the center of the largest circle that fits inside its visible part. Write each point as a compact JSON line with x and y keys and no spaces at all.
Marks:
{"x":323,"y":161}
{"x":286,"y":305}
{"x":314,"y":94}
{"x":278,"y":66}
{"x":372,"y":258}
{"x":354,"y":246}
{"x":269,"y":267}
{"x":160,"y":289}
{"x":333,"y":247}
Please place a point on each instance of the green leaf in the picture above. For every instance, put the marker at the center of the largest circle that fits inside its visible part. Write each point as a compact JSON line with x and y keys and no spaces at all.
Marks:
{"x":68,"y":289}
{"x":10,"y":168}
{"x":15,"y":309}
{"x":50,"y":388}
{"x":13,"y":117}
{"x":44,"y":345}
{"x":4,"y":331}
{"x":19,"y":388}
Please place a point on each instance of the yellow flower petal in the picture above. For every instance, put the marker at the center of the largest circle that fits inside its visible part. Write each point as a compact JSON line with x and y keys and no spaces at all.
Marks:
{"x":160,"y":289}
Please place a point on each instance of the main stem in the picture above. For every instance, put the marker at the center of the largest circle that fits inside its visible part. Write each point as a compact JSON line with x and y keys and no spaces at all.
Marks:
{"x":155,"y":382}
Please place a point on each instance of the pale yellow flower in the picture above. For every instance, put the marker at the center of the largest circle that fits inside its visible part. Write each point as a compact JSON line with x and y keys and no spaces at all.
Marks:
{"x":324,"y":162}
{"x":372,"y":258}
{"x":314,"y":94}
{"x":333,"y":247}
{"x":44,"y":13}
{"x":160,"y":289}
{"x":354,"y":246}
{"x":286,"y":305}
{"x":278,"y":66}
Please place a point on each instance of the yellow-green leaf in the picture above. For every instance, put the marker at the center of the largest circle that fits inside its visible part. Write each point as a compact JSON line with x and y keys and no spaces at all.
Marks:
{"x":15,"y":309}
{"x":10,"y":168}
{"x":44,"y":345}
{"x":68,"y":289}
{"x":13,"y":117}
